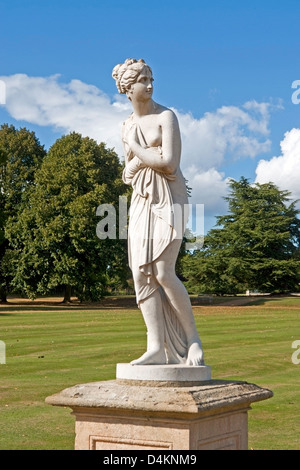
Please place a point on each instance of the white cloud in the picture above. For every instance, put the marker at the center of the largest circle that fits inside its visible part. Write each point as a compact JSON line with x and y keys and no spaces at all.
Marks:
{"x":208,"y":187}
{"x":73,"y":106}
{"x":230,"y":131}
{"x":283,"y":170}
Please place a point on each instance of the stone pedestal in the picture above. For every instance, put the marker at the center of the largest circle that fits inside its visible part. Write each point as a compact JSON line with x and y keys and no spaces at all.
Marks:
{"x":160,"y":415}
{"x":176,"y":373}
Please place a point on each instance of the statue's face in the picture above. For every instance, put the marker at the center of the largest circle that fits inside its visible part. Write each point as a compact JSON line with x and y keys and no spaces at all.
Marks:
{"x":142,"y":89}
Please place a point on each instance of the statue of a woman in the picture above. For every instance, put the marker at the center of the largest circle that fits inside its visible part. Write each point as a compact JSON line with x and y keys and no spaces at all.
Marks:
{"x":152,"y":148}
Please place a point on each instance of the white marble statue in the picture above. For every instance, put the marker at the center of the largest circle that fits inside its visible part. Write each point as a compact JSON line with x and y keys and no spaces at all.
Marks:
{"x":152,"y":148}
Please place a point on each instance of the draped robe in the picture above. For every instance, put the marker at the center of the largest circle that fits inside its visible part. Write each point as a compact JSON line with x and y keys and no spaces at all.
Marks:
{"x":157,"y":217}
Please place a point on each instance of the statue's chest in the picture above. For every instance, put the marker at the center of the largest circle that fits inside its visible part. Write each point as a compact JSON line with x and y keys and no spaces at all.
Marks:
{"x":149,"y":133}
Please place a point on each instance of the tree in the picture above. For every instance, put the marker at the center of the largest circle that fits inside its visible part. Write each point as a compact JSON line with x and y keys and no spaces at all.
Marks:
{"x":21,"y":154}
{"x":254,"y":247}
{"x":54,"y":240}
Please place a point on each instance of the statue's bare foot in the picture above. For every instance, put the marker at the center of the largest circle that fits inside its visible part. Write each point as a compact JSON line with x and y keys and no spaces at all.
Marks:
{"x":195,"y":355}
{"x":151,"y":358}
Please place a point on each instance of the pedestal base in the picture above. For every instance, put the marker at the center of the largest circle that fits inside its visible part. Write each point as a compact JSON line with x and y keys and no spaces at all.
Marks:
{"x":143,"y":415}
{"x":166,"y":373}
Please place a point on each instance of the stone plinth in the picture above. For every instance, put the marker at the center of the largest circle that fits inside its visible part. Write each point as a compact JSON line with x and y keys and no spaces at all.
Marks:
{"x":148,"y":415}
{"x":165,"y":373}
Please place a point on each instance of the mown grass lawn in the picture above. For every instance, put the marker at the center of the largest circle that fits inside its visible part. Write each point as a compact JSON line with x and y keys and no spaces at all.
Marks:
{"x":48,"y":349}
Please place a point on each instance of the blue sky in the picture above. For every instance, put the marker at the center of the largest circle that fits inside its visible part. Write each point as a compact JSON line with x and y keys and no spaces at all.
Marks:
{"x":225,"y":67}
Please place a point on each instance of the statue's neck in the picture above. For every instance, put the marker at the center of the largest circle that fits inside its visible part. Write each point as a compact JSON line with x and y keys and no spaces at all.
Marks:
{"x":143,"y":108}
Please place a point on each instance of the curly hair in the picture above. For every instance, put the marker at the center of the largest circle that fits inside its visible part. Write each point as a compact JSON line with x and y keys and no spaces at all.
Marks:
{"x":126,"y":74}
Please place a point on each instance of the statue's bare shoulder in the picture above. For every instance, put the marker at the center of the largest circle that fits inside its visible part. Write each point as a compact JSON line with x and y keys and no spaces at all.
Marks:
{"x":164,"y":111}
{"x":167,"y":117}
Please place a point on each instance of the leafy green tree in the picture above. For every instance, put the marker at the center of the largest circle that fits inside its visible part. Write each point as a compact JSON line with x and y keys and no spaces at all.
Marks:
{"x":54,"y":240}
{"x":254,"y":247}
{"x":21,"y":154}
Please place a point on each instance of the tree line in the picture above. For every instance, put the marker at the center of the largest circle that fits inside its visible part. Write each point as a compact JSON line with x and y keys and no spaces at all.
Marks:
{"x":256,"y":246}
{"x":48,"y":240}
{"x":48,"y":203}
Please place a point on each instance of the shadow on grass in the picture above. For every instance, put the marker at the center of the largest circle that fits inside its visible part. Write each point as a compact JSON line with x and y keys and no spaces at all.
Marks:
{"x":244,"y":301}
{"x":260,"y":301}
{"x":107,"y":303}
{"x":129,"y":302}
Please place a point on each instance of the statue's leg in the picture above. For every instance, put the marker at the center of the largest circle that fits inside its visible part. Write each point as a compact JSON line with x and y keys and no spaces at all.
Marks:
{"x":151,"y":308}
{"x":164,"y":271}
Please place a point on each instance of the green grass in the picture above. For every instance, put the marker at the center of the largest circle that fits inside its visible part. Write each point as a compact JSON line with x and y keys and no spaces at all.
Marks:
{"x":48,"y":349}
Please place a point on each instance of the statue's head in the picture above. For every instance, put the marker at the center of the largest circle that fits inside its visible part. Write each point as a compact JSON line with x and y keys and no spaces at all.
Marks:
{"x":126,"y":74}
